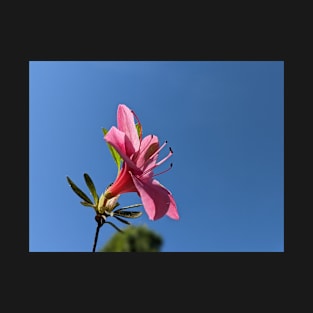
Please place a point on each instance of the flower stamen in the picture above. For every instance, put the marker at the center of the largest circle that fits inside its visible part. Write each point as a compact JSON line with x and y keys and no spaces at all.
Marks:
{"x":151,"y":169}
{"x":171,"y":165}
{"x":163,"y":160}
{"x":158,"y":150}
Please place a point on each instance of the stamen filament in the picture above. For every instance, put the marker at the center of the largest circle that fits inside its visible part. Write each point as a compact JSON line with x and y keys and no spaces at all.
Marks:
{"x":157,"y":151}
{"x":152,"y":168}
{"x":163,"y":160}
{"x":171,"y":165}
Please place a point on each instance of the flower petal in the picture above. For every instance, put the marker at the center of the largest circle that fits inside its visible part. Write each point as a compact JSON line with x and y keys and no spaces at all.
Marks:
{"x":117,"y":139}
{"x":148,"y":146}
{"x":126,"y":124}
{"x":154,"y":197}
{"x":172,"y":210}
{"x":120,"y":142}
{"x":122,"y":184}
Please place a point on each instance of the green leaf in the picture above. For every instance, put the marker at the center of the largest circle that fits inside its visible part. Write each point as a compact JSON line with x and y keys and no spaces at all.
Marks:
{"x":121,"y":220}
{"x":87,"y":204}
{"x":114,"y":226}
{"x":138,"y":127}
{"x":129,"y":206}
{"x":80,"y":193}
{"x":127,"y":214}
{"x":116,"y":157}
{"x":92,"y":188}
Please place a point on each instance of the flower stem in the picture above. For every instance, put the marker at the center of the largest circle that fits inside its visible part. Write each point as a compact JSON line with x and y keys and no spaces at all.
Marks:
{"x":100,"y":223}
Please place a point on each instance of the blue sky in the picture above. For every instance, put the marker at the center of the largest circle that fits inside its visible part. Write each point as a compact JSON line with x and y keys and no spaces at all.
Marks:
{"x":224,"y":121}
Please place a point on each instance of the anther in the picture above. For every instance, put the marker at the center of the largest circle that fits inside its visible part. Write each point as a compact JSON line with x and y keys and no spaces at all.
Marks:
{"x":171,"y":165}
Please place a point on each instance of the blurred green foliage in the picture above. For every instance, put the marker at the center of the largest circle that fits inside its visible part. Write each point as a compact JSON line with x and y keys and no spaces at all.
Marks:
{"x":134,"y":239}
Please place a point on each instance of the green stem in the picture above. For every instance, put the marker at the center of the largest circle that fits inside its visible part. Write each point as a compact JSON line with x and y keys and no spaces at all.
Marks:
{"x":100,"y":223}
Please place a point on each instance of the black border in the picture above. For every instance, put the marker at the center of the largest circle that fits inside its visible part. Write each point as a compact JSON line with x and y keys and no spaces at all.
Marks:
{"x":166,"y":269}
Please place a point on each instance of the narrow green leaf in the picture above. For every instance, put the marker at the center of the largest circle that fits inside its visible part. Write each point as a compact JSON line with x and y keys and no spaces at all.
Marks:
{"x":114,"y":226}
{"x":121,"y":220}
{"x":127,"y":214}
{"x":87,"y":204}
{"x":139,"y":130}
{"x":129,"y":206}
{"x":80,"y":193}
{"x":92,"y":188}
{"x":116,"y":157}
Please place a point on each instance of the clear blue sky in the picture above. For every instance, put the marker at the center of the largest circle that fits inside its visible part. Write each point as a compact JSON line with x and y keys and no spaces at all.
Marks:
{"x":224,"y":121}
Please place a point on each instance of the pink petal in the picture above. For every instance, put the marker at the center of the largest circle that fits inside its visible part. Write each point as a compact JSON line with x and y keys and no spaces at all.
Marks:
{"x":122,"y":184}
{"x":116,"y":138}
{"x":148,"y":146}
{"x":154,"y":197}
{"x":172,"y":210}
{"x":126,"y":124}
{"x":122,"y":145}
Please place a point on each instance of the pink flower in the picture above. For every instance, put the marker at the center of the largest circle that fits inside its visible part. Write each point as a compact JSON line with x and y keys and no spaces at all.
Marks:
{"x":140,"y":159}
